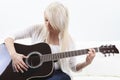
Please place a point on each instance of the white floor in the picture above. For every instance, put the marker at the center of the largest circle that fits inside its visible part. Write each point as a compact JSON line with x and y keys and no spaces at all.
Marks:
{"x":95,"y":78}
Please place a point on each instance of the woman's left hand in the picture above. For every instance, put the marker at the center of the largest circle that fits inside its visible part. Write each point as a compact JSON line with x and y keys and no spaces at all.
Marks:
{"x":90,"y":56}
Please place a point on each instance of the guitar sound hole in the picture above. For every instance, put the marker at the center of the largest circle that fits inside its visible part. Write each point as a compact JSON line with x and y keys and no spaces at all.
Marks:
{"x":34,"y":60}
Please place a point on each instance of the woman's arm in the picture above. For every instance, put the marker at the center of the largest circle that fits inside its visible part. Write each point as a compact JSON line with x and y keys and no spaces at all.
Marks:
{"x":17,"y":59}
{"x":9,"y":42}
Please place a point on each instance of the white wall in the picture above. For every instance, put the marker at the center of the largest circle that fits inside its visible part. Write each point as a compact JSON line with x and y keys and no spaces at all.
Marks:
{"x":90,"y":20}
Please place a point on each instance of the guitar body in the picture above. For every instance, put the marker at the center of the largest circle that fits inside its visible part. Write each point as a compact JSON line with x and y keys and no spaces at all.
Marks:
{"x":44,"y":71}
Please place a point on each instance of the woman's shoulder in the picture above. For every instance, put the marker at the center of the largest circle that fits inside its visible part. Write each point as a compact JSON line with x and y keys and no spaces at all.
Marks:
{"x":38,"y":26}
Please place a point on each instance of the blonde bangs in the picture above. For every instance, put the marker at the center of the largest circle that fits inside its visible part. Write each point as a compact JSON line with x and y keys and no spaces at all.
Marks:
{"x":57,"y":15}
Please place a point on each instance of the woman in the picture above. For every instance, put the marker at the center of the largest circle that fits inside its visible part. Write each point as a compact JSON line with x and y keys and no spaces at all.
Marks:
{"x":55,"y":33}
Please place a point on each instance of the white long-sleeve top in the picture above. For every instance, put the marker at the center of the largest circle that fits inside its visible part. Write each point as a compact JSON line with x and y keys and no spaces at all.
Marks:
{"x":38,"y":34}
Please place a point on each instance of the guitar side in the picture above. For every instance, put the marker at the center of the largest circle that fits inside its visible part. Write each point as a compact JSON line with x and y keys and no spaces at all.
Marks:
{"x":45,"y":70}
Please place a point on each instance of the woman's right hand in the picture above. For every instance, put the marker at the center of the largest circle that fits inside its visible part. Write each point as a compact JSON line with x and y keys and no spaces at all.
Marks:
{"x":18,"y":63}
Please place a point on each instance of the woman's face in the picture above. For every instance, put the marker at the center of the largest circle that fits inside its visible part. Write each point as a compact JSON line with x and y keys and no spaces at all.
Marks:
{"x":47,"y":23}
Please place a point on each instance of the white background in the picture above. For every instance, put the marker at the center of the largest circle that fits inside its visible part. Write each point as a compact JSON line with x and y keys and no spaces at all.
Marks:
{"x":92,"y":23}
{"x":90,"y":20}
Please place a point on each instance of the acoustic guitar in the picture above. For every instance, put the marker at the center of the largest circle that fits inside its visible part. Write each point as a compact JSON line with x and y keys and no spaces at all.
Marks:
{"x":40,"y":60}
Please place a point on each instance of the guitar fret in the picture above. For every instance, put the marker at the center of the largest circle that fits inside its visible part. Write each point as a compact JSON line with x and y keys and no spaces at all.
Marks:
{"x":76,"y":53}
{"x":53,"y":57}
{"x":66,"y":54}
{"x":70,"y":54}
{"x":63,"y":55}
{"x":57,"y":57}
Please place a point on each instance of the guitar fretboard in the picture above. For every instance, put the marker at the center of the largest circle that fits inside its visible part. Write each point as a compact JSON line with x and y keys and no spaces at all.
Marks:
{"x":57,"y":56}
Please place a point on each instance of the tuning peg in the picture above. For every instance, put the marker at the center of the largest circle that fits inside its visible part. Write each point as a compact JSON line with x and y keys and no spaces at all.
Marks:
{"x":105,"y":55}
{"x":113,"y":51}
{"x":113,"y":54}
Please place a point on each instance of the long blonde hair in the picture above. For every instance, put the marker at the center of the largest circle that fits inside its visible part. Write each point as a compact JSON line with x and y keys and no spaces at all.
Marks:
{"x":58,"y":17}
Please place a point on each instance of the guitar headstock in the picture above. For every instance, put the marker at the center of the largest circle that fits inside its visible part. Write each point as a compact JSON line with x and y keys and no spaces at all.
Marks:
{"x":108,"y":49}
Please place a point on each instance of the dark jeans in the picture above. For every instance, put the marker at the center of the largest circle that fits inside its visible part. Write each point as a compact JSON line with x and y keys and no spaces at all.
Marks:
{"x":59,"y":75}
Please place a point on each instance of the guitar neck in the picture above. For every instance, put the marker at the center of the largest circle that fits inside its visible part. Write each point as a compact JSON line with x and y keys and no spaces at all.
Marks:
{"x":57,"y":56}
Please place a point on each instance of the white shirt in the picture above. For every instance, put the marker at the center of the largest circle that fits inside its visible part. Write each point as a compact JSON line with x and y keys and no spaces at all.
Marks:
{"x":38,"y":34}
{"x":55,"y":49}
